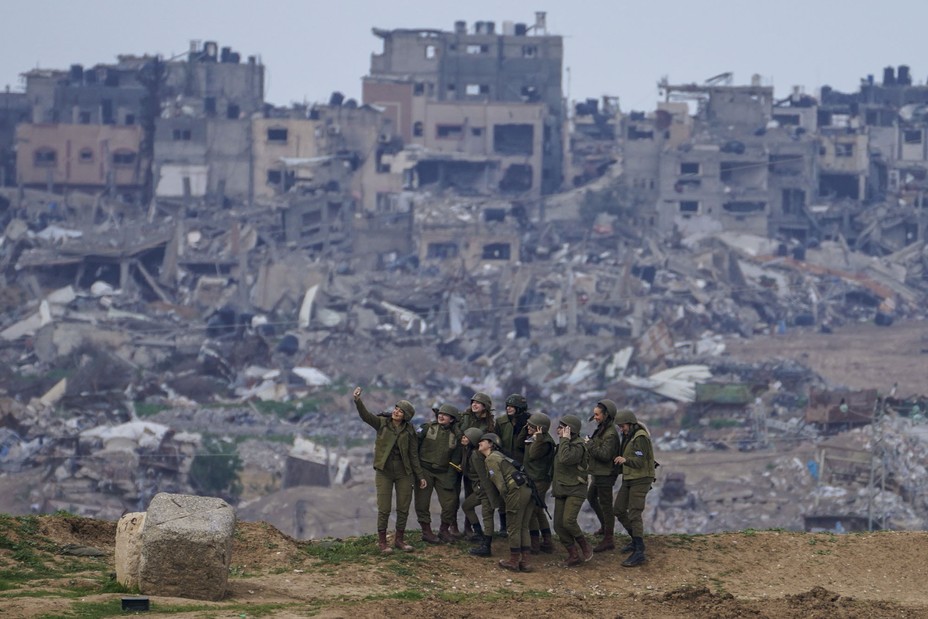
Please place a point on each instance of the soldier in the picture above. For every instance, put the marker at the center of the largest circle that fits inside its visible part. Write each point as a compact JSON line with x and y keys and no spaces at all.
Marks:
{"x":637,"y":461}
{"x":475,"y":472}
{"x":396,"y":466}
{"x":569,"y":489}
{"x":478,"y":415}
{"x":439,"y":449}
{"x":510,"y":428}
{"x":514,"y":489}
{"x":603,"y":446}
{"x":539,"y":464}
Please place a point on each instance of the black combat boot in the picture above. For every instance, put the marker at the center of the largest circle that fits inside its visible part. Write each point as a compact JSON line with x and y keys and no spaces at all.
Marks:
{"x":483,"y":549}
{"x":478,"y":533}
{"x":629,"y":547}
{"x":637,"y":557}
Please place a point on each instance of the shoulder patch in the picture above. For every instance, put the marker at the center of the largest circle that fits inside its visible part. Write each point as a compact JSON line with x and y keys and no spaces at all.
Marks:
{"x":639,"y":454}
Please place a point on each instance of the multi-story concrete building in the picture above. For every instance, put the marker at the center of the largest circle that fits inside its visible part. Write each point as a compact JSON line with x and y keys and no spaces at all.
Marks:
{"x":90,"y":157}
{"x":199,"y":124}
{"x":424,"y":75}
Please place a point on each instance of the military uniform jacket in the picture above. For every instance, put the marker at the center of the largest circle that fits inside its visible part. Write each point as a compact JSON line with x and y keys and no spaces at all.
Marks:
{"x":513,"y":442}
{"x":570,"y":469}
{"x":437,"y":447}
{"x":604,"y":447}
{"x":390,"y":437}
{"x":639,"y":457}
{"x":539,"y":458}
{"x":470,"y":420}
{"x":475,"y":469}
{"x":499,"y":474}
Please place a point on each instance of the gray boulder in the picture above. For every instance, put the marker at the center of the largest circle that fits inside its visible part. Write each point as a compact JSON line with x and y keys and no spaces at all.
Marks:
{"x":186,"y":547}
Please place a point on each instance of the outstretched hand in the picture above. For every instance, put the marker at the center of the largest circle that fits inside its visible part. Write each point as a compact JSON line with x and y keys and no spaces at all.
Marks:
{"x":356,"y":394}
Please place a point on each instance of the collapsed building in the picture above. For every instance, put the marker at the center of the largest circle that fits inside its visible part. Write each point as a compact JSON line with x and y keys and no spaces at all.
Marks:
{"x":417,"y":241}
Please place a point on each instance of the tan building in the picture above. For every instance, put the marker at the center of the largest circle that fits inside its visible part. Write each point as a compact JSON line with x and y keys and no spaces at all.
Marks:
{"x":78,"y":156}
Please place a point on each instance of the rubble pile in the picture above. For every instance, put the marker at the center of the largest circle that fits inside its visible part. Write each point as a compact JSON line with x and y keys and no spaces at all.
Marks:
{"x":212,"y":308}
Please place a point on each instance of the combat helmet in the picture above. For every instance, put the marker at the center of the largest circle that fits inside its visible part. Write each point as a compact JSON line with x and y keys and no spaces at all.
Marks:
{"x":573,"y":422}
{"x":625,"y":416}
{"x":473,"y":435}
{"x":483,"y":399}
{"x":448,"y":409}
{"x":493,"y":438}
{"x":517,"y":401}
{"x":540,"y":420}
{"x":408,"y":409}
{"x":609,"y":407}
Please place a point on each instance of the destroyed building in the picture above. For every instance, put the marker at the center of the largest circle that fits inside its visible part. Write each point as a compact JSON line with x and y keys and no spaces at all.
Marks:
{"x":441,"y":88}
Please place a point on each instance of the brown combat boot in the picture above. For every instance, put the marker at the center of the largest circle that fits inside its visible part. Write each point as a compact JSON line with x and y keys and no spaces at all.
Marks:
{"x":523,"y":560}
{"x":455,"y":531}
{"x":573,"y":557}
{"x":444,"y":533}
{"x":468,"y":528}
{"x":399,"y":541}
{"x":382,"y":542}
{"x":547,"y":545}
{"x":607,"y":543}
{"x":535,"y":548}
{"x":598,"y":531}
{"x":585,"y":549}
{"x":427,"y":535}
{"x":515,"y":555}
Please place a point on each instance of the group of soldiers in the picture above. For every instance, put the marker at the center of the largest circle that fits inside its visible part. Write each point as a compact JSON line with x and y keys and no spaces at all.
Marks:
{"x":508,"y":463}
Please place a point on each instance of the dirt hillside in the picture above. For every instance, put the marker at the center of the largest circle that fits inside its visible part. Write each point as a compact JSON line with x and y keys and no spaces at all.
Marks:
{"x":746,"y":574}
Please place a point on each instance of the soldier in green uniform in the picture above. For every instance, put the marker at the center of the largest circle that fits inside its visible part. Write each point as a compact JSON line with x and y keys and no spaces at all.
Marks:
{"x":511,"y":427}
{"x":539,"y":464}
{"x":396,"y":466}
{"x":439,"y":449}
{"x":637,"y":461}
{"x":475,"y":471}
{"x":603,"y":445}
{"x":571,"y":464}
{"x":513,"y":486}
{"x":478,"y":415}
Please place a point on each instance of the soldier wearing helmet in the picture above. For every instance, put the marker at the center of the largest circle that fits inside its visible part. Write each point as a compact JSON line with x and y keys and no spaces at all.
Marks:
{"x":475,"y":474}
{"x":571,"y":464}
{"x":479,"y":414}
{"x":396,"y":466}
{"x":510,"y":483}
{"x":539,"y":462}
{"x":603,"y":445}
{"x":511,"y":426}
{"x":511,"y":430}
{"x":439,"y":449}
{"x":638,"y":469}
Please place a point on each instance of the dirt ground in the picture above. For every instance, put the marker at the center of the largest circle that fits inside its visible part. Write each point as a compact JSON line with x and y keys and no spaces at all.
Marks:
{"x":747,"y":574}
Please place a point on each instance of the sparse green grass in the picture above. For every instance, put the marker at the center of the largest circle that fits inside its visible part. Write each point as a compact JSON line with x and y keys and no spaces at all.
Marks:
{"x":149,"y":409}
{"x":357,"y":549}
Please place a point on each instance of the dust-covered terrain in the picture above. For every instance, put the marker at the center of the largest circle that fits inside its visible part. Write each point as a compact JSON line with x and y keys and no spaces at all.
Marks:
{"x":741,"y":574}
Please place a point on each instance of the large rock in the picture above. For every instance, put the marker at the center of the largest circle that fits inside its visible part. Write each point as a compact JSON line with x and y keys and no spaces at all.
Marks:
{"x":186,"y":547}
{"x":129,"y":548}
